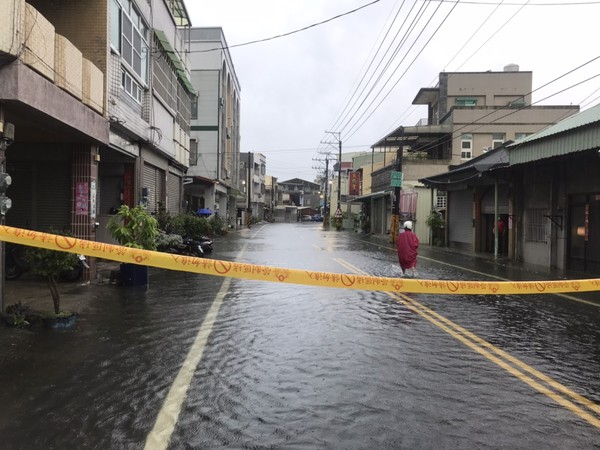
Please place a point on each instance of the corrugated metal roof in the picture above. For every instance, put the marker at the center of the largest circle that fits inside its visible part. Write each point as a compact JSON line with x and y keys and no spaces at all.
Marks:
{"x":559,"y":139}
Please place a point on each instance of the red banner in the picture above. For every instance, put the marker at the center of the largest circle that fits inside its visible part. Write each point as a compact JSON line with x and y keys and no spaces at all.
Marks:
{"x":354,"y":183}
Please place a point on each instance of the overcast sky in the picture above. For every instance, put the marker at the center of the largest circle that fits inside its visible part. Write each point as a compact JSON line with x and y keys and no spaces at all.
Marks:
{"x":358,"y":74}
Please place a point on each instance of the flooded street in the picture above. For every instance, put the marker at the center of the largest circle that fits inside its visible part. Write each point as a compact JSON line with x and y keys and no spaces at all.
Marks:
{"x":289,"y":366}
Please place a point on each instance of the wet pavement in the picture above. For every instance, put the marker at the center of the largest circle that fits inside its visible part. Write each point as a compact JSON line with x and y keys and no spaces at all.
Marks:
{"x":289,"y":366}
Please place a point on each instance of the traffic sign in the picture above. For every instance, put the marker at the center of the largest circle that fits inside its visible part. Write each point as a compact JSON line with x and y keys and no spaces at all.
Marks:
{"x":396,"y":179}
{"x":338,"y":213}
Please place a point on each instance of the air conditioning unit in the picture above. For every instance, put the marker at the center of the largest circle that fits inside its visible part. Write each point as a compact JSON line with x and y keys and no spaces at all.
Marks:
{"x":228,"y":132}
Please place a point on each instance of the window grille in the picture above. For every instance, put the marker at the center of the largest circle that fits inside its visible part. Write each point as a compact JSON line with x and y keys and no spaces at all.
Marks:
{"x":441,"y":200}
{"x":535,"y":225}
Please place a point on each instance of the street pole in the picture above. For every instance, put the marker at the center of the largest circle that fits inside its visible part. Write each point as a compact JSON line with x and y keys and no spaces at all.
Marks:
{"x":339,"y":202}
{"x":395,"y":225}
{"x":248,"y":191}
{"x":325,"y":198}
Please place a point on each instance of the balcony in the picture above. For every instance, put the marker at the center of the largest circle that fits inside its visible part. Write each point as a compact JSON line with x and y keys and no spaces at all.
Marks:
{"x":46,"y":79}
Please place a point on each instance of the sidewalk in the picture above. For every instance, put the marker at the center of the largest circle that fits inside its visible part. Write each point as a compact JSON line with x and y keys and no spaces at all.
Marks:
{"x":33,"y":291}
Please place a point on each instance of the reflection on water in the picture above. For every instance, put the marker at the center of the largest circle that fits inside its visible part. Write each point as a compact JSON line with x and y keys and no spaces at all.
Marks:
{"x":299,"y":367}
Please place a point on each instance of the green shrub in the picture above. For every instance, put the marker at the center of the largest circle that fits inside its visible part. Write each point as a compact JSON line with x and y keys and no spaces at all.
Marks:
{"x":134,"y":227}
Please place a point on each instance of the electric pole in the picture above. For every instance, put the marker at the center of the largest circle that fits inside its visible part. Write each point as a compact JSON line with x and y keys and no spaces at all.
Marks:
{"x":326,"y":198}
{"x":338,"y":136}
{"x":396,"y":181}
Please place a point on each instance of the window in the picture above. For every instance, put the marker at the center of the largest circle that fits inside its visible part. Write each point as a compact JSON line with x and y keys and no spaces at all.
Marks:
{"x":194,"y":108}
{"x":131,"y":87}
{"x":263,"y":169}
{"x":441,"y":200}
{"x":466,"y":101}
{"x":535,"y":225}
{"x":497,"y":140}
{"x":194,"y":152}
{"x":466,"y":146}
{"x":521,"y":136}
{"x":128,"y":36}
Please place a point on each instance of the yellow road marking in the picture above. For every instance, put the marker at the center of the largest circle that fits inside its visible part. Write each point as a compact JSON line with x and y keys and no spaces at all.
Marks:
{"x":168,"y":415}
{"x":502,"y":359}
{"x":488,"y":275}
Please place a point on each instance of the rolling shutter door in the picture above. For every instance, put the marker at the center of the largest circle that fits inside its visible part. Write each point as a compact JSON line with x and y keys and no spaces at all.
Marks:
{"x":460,"y":217}
{"x":174,"y":194}
{"x":487,"y":203}
{"x":154,"y":181}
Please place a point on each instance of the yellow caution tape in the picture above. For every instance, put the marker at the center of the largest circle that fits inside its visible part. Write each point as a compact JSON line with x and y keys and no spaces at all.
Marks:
{"x":281,"y":275}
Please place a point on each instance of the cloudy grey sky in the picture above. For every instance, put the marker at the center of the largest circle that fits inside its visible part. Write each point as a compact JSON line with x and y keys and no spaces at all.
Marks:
{"x":358,"y":74}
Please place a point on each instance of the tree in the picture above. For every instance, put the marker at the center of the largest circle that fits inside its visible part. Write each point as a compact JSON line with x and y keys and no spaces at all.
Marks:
{"x":50,"y":264}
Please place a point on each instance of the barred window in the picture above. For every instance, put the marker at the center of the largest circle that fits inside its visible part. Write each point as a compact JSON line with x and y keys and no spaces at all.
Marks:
{"x":441,"y":200}
{"x":535,"y":225}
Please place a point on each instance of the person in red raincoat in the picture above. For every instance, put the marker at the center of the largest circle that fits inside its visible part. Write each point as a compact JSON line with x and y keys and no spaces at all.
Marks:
{"x":407,"y":245}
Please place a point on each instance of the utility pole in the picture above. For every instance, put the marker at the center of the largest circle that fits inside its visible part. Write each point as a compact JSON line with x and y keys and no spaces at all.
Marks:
{"x":250,"y":167}
{"x":397,"y":183}
{"x":325,"y":198}
{"x":338,"y":136}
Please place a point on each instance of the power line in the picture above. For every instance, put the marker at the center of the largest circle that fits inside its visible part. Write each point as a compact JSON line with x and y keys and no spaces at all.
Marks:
{"x":257,"y":41}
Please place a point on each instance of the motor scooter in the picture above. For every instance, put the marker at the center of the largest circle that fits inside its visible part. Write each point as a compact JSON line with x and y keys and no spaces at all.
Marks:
{"x":187,"y":247}
{"x":207,"y":244}
{"x":16,"y":264}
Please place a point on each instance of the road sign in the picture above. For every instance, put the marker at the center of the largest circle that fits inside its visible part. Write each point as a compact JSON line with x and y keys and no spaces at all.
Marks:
{"x":338,"y":213}
{"x":396,"y":179}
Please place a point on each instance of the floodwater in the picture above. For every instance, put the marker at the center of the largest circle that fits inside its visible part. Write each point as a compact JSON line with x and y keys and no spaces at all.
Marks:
{"x":301,"y":367}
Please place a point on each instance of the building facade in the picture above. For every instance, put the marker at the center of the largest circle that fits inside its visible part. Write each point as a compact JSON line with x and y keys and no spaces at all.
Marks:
{"x":535,"y":200}
{"x":253,"y":173}
{"x":99,"y":96}
{"x":213,"y":175}
{"x":468,"y":114}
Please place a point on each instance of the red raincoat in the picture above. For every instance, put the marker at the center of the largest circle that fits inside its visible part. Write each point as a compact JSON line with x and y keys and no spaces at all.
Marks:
{"x":407,"y":245}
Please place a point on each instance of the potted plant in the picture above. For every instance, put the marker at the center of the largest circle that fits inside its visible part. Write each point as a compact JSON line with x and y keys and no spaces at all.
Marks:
{"x":435,"y":221}
{"x":134,"y":228}
{"x":50,"y":264}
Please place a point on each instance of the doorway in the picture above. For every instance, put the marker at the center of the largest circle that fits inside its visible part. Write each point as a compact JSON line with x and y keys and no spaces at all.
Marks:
{"x":584,"y":233}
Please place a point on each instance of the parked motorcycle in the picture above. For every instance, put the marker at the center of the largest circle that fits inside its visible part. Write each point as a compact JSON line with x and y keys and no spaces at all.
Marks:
{"x":207,"y":244}
{"x":16,"y":264}
{"x":182,"y":246}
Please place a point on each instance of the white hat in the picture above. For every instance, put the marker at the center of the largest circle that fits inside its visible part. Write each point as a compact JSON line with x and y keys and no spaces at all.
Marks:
{"x":408,"y":225}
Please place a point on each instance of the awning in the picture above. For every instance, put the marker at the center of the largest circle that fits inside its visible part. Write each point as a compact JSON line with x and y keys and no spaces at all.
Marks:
{"x":233,"y":192}
{"x":179,"y":68}
{"x":470,"y":172}
{"x":364,"y":198}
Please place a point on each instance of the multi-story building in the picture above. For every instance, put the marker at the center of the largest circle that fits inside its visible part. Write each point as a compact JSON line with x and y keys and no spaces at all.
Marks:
{"x":271,"y":197}
{"x":253,"y":173}
{"x":99,"y":96}
{"x":469,"y":113}
{"x":213,"y":175}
